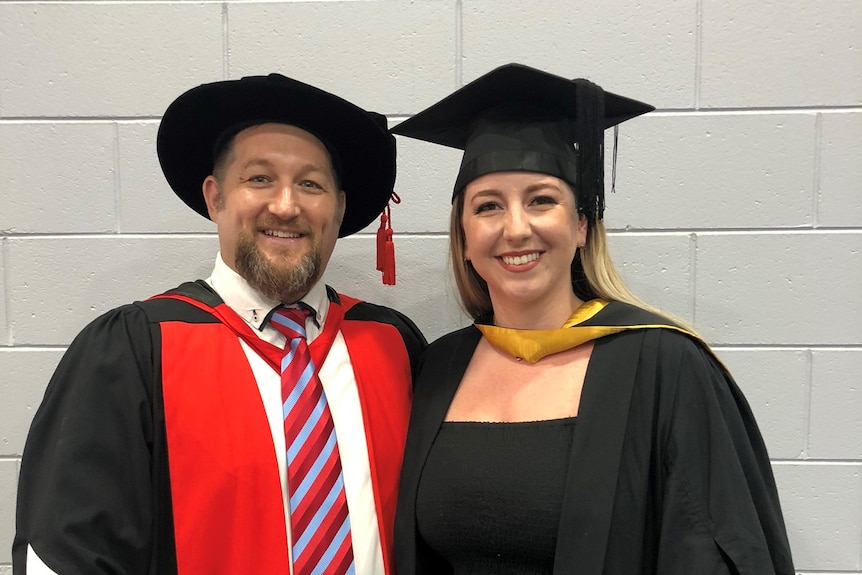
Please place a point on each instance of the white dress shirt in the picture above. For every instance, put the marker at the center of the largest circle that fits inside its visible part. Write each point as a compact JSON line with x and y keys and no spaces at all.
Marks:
{"x":339,"y":384}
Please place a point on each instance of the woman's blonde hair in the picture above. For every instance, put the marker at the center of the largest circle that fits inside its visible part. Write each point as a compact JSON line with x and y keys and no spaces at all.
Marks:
{"x":593,"y":271}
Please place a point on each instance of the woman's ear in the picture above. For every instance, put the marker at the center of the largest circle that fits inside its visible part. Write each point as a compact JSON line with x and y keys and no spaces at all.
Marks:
{"x":582,"y":231}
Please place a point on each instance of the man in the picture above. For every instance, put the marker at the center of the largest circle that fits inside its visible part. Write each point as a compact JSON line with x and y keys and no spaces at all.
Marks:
{"x":171,"y":437}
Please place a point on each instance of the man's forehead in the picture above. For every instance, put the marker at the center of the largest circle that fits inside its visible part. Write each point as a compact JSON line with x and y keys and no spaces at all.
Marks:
{"x":279,"y":128}
{"x":249,"y":135}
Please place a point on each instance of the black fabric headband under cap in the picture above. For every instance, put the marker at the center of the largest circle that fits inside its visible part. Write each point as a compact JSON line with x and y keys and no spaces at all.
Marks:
{"x":513,"y":137}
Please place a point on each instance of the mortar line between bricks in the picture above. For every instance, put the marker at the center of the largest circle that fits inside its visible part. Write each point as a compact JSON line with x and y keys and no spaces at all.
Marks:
{"x":818,"y":462}
{"x":749,"y":111}
{"x":806,"y":408}
{"x":658,"y":232}
{"x":7,"y":312}
{"x":459,"y":43}
{"x":692,"y":280}
{"x":225,"y":41}
{"x":31,"y":348}
{"x":815,"y":196}
{"x":118,"y":209}
{"x":76,"y":119}
{"x":113,"y":235}
{"x":755,"y":110}
{"x":182,"y":234}
{"x":736,"y":231}
{"x":698,"y":52}
{"x":119,"y":2}
{"x":789,"y":347}
{"x":398,"y":116}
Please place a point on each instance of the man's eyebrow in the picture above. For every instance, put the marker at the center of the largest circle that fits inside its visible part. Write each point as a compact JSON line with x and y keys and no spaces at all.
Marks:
{"x":254,"y":162}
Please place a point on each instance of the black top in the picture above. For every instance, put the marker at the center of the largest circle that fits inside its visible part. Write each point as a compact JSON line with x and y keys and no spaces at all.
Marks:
{"x":490,"y":495}
{"x":667,"y":473}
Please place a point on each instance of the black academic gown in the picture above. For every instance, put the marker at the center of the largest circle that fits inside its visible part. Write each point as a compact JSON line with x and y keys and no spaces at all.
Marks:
{"x":94,"y":492}
{"x":667,"y":473}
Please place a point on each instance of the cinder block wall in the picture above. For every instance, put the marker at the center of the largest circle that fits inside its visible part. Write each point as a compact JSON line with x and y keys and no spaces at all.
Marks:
{"x":738,"y":203}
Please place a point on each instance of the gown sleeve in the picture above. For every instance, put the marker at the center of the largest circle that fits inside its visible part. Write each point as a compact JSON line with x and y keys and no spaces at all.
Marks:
{"x":720,"y":511}
{"x":85,"y":494}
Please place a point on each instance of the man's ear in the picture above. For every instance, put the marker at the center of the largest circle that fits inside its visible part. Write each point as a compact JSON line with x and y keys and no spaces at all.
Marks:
{"x":212,"y":196}
{"x":342,"y":205}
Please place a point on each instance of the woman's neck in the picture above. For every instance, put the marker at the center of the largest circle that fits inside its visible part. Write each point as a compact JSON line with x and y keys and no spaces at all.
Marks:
{"x":537,"y":315}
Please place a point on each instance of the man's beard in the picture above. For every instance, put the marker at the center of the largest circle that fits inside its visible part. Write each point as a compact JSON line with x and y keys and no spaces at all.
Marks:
{"x":284,"y":283}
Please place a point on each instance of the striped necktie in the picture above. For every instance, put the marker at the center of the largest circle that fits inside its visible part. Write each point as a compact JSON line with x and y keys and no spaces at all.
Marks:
{"x":320,"y":525}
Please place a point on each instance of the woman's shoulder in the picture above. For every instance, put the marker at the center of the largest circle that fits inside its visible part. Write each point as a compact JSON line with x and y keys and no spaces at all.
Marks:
{"x":448,"y":343}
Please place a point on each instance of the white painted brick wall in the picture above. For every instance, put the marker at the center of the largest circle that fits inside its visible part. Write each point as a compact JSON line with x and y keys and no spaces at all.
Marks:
{"x":737,"y":205}
{"x":61,"y":283}
{"x":4,"y":324}
{"x":647,"y":49}
{"x":97,"y":59}
{"x":781,"y":53}
{"x":780,"y":288}
{"x":841,"y":170}
{"x":57,"y":177}
{"x":146,"y":202}
{"x":657,"y":267}
{"x":836,"y":405}
{"x":775,"y":383}
{"x":822,"y":504}
{"x":8,"y":478}
{"x":389,"y":56}
{"x":26,"y":372}
{"x":715,"y":171}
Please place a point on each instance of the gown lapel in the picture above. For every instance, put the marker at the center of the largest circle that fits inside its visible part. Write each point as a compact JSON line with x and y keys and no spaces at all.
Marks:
{"x":594,"y":459}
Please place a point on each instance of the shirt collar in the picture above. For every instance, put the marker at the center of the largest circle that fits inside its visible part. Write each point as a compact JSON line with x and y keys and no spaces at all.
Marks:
{"x":251,"y":305}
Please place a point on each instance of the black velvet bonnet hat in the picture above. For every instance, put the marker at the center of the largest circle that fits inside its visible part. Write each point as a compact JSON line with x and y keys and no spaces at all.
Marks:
{"x":202,"y":120}
{"x":520,"y":118}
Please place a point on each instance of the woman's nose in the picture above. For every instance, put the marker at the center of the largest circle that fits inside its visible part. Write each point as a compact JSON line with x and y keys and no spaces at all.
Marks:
{"x":516,"y":224}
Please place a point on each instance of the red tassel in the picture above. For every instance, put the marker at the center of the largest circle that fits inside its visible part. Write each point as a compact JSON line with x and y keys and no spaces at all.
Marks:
{"x":381,"y":239}
{"x":389,"y":260}
{"x":385,"y":245}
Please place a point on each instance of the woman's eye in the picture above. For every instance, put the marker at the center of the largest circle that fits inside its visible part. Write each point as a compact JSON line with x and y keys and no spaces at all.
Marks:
{"x":543,"y":201}
{"x":485,"y":207}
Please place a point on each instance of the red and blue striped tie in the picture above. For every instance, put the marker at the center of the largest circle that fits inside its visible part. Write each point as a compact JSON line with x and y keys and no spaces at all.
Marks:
{"x":320,"y":525}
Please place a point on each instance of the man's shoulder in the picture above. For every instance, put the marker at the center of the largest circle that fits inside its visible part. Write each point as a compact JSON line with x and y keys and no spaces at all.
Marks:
{"x":188,"y":302}
{"x":176,"y":304}
{"x":363,"y":311}
{"x":359,"y":310}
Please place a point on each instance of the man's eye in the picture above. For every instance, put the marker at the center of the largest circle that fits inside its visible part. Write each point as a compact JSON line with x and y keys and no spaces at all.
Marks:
{"x":259,"y":179}
{"x":310,"y":184}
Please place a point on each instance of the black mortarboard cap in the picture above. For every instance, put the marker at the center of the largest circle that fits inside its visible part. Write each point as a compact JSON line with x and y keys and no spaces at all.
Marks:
{"x":517,"y":118}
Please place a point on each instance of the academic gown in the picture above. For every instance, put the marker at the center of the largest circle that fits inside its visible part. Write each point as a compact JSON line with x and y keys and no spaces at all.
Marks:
{"x":95,"y":492}
{"x":667,"y":472}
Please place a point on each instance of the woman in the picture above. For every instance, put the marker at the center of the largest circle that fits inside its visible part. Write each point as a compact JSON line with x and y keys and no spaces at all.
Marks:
{"x":571,"y":429}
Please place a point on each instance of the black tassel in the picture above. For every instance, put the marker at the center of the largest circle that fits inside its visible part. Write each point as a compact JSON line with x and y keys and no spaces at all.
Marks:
{"x":590,"y":136}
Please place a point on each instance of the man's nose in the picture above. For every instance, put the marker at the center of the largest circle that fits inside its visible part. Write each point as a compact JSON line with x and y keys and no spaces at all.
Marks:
{"x":285,"y":204}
